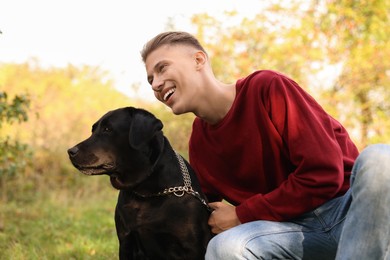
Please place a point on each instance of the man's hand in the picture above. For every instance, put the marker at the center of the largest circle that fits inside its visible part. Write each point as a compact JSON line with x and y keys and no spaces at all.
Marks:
{"x":223,"y":217}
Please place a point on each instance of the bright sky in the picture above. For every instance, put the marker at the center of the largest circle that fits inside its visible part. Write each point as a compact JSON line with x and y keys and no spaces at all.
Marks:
{"x":105,"y":33}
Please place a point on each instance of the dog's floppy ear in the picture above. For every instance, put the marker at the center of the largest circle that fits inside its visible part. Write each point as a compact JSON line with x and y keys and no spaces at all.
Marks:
{"x":143,"y":128}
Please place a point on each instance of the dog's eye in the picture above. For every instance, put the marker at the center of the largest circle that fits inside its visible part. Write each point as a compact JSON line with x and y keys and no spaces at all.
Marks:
{"x":106,"y":129}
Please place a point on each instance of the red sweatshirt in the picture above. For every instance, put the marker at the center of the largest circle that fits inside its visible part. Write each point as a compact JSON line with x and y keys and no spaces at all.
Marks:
{"x":276,"y":155}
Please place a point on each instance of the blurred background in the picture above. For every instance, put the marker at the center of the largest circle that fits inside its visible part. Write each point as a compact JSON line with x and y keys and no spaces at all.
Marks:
{"x":63,"y":64}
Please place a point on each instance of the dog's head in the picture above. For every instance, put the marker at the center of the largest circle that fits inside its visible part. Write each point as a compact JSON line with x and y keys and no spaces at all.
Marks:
{"x":124,"y":145}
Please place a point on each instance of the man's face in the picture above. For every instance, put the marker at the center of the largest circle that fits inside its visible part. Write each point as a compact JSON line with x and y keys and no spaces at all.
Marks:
{"x":171,"y":71}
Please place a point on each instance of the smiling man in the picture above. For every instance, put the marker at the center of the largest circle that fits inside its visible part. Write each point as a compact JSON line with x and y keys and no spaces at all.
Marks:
{"x":181,"y":77}
{"x":296,"y":186}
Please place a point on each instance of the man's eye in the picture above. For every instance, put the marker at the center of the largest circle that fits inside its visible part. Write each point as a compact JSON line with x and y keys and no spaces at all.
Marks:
{"x":162,"y":67}
{"x":150,"y":80}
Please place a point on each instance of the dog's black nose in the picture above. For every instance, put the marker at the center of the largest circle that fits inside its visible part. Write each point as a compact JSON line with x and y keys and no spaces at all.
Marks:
{"x":73,"y":151}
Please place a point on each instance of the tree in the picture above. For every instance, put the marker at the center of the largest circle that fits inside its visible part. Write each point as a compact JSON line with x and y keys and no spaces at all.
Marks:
{"x":357,"y":36}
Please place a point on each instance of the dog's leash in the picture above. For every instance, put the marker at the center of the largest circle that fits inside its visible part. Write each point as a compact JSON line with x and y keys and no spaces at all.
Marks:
{"x":179,"y":191}
{"x":187,"y":183}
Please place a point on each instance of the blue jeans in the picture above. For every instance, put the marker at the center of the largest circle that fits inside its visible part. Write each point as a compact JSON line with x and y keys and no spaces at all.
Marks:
{"x":353,"y":226}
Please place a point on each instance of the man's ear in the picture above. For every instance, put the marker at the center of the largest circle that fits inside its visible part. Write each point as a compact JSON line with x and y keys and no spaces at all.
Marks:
{"x":200,"y":59}
{"x":143,"y":128}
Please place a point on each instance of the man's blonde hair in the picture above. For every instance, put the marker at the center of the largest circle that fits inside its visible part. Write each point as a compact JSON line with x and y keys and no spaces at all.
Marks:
{"x":170,"y":38}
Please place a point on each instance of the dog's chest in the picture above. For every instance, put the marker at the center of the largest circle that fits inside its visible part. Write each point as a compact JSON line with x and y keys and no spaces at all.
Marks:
{"x":139,"y":213}
{"x":159,"y":213}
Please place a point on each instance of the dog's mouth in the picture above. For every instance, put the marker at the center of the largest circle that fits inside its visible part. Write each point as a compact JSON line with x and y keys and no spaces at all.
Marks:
{"x":105,"y":168}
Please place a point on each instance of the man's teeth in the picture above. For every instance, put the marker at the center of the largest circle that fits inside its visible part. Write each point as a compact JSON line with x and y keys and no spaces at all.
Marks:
{"x":169,"y":92}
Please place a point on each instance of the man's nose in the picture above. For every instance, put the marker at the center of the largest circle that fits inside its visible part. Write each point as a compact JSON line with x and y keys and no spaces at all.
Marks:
{"x":157,"y":85}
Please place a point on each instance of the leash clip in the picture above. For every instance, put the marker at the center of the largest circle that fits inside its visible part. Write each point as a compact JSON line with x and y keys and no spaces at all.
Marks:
{"x":178,"y":191}
{"x":177,"y":194}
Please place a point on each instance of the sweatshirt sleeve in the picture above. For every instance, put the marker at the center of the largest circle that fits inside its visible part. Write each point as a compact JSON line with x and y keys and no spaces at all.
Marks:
{"x":310,"y":142}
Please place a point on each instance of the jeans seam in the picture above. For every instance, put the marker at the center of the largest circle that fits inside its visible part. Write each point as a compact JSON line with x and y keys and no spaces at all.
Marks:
{"x":328,"y":228}
{"x":265,"y":234}
{"x":273,"y":233}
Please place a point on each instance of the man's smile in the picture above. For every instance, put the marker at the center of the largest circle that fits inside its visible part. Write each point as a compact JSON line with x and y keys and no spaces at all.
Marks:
{"x":168,"y":94}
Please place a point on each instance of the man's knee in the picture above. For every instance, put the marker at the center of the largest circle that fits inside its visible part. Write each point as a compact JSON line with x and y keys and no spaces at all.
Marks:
{"x":224,"y":246}
{"x":372,"y":168}
{"x":231,"y":245}
{"x":377,"y":154}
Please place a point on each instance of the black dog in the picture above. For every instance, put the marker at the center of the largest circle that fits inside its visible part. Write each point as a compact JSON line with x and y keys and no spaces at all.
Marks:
{"x":161,"y":212}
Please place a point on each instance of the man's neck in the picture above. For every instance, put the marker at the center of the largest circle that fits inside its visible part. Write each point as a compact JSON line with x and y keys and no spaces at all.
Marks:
{"x":217,"y":103}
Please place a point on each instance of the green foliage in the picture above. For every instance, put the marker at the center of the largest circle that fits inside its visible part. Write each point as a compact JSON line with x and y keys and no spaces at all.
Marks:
{"x":14,"y":155}
{"x":12,"y":152}
{"x":16,"y":111}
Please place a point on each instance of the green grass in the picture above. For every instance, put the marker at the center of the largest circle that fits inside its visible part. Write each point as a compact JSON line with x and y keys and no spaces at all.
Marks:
{"x":61,"y":224}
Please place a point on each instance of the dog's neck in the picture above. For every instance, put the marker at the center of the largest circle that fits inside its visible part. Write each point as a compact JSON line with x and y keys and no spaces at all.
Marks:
{"x":184,"y":188}
{"x":163,"y":174}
